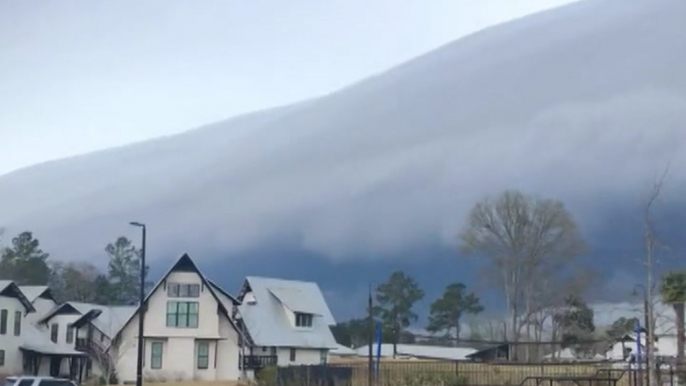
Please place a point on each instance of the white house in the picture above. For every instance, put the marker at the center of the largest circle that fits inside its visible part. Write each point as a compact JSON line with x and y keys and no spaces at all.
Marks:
{"x":41,"y":298}
{"x":188,"y":332}
{"x":287,"y":322}
{"x":23,"y":348}
{"x":193,"y":330}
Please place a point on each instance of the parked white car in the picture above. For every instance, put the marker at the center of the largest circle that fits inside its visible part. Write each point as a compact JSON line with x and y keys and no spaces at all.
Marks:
{"x":37,"y":381}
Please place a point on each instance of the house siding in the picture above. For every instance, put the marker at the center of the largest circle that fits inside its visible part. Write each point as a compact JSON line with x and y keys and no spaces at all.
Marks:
{"x":10,"y":343}
{"x":303,"y":356}
{"x":179,"y":354}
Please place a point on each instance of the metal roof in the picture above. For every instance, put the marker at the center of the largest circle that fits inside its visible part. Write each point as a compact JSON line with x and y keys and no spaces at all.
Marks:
{"x":419,"y":351}
{"x":33,"y":292}
{"x":9,"y":288}
{"x":34,"y":340}
{"x":343,"y":350}
{"x":267,"y":322}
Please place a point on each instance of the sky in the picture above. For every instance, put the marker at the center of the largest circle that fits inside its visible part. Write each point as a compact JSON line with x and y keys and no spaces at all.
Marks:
{"x":82,"y":75}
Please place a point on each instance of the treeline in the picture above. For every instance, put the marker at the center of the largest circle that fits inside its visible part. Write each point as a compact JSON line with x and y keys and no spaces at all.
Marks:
{"x":25,"y":263}
{"x":531,"y":249}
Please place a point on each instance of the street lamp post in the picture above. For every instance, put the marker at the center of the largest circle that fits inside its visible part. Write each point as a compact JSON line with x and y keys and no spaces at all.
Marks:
{"x":141,"y":310}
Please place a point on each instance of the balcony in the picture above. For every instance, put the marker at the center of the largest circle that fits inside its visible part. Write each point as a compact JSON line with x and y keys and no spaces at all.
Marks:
{"x":83,"y":344}
{"x":256,"y":362}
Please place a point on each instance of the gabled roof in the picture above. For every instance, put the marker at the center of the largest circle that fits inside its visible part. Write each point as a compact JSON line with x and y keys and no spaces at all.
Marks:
{"x":9,"y":289}
{"x":34,"y":292}
{"x":267,"y":322}
{"x":36,"y":341}
{"x":230,"y":298}
{"x":108,"y":319}
{"x":68,"y":308}
{"x":185,"y":263}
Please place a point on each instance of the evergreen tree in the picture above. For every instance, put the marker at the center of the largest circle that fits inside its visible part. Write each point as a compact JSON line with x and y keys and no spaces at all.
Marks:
{"x":395,"y":300}
{"x":24,"y":262}
{"x":447,"y":311}
{"x":123,"y":272}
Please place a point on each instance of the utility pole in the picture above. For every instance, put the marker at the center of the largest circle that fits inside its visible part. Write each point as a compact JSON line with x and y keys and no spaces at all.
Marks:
{"x":371,"y":337}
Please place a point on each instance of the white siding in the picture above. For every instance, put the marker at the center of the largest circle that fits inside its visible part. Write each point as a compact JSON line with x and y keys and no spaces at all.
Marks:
{"x":10,"y":343}
{"x":179,"y":356}
{"x":303,"y":356}
{"x":227,"y":352}
{"x":42,"y":306}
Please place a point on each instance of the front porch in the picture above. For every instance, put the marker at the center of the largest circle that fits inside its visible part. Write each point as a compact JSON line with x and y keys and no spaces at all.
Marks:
{"x":50,"y":362}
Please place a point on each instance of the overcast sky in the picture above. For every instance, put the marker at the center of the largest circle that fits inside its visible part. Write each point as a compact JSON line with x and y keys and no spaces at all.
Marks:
{"x":80,"y":76}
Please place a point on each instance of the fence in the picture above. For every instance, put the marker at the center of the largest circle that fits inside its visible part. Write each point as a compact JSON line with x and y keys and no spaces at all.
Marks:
{"x":433,"y":373}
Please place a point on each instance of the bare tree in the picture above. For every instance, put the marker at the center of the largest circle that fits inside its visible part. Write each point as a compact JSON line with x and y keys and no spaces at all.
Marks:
{"x":651,"y":244}
{"x":524,"y":239}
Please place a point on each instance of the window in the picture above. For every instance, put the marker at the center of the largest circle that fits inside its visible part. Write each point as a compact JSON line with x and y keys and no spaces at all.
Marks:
{"x":25,"y":382}
{"x":3,"y":322}
{"x":17,"y":323}
{"x":182,"y":314}
{"x":322,"y":356}
{"x":156,"y":355}
{"x":2,"y":357}
{"x":203,"y":355}
{"x":54,"y":330}
{"x":177,"y":290}
{"x":303,"y":320}
{"x":70,"y":334}
{"x":292,"y":354}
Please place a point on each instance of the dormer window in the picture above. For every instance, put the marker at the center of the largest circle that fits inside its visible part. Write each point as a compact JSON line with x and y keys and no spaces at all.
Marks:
{"x":303,"y":320}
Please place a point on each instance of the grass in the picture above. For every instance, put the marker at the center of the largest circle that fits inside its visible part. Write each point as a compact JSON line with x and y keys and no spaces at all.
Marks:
{"x":469,"y":373}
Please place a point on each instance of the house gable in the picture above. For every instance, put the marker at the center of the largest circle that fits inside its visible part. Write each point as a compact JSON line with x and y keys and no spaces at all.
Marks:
{"x":11,"y":290}
{"x":184,"y":271}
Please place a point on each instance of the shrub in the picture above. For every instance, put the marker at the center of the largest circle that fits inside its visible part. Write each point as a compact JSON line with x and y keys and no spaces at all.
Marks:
{"x":267,"y":376}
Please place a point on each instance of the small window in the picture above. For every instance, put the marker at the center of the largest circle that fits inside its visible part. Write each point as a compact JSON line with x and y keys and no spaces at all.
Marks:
{"x":178,"y":290}
{"x":323,"y":356}
{"x":203,"y":355}
{"x":17,"y":323}
{"x":173,"y":290}
{"x":292,"y":354}
{"x":264,"y":348}
{"x":303,"y":320}
{"x":54,"y":332}
{"x":3,"y":322}
{"x":156,"y":355}
{"x":25,"y":382}
{"x":70,"y":334}
{"x":2,"y":357}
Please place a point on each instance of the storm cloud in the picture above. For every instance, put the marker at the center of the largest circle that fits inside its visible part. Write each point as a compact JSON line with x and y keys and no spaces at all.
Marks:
{"x":586,"y":103}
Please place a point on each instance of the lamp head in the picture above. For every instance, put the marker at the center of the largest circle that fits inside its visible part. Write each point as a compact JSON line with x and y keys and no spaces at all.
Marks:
{"x":137,"y":224}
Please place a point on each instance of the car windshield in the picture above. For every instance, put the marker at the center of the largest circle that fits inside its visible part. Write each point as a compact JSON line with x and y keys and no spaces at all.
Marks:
{"x":9,"y":382}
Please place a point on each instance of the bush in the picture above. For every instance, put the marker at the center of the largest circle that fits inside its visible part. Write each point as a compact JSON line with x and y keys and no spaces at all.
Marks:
{"x":433,"y":379}
{"x":267,"y":376}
